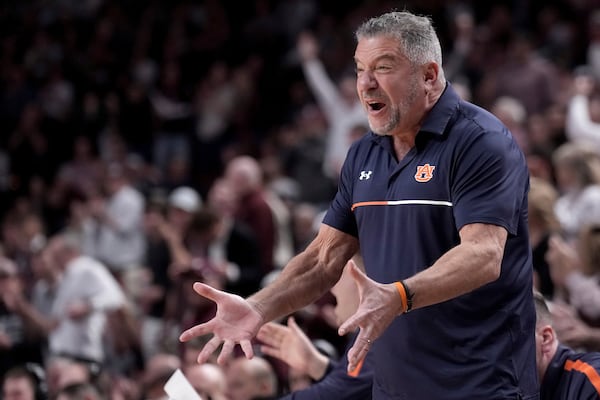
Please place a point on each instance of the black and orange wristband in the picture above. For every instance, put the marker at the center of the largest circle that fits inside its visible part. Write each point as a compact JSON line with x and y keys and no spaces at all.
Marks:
{"x":405,"y":296}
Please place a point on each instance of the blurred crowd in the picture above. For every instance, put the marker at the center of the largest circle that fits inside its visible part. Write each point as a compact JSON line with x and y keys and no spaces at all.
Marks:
{"x":147,"y":145}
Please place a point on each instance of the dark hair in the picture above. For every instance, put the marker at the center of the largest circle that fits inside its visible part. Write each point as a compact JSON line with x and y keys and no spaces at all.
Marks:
{"x":203,"y":221}
{"x":80,"y":391}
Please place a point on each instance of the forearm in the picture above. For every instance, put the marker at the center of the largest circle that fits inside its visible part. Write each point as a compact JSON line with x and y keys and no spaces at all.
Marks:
{"x":464,"y":268}
{"x":300,"y":283}
{"x":307,"y":276}
{"x":321,"y":85}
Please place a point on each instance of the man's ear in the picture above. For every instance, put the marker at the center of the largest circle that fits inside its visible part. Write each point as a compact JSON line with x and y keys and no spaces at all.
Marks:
{"x":431,"y":72}
{"x":548,"y":338}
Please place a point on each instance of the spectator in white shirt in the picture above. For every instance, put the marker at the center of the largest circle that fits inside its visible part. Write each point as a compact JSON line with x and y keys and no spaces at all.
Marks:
{"x":578,"y":179}
{"x":583,"y":112}
{"x":118,"y":239}
{"x":338,"y":101}
{"x":85,"y":294}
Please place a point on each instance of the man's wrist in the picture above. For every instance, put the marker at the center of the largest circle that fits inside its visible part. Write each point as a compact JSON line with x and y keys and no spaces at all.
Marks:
{"x":317,"y":366}
{"x":406,"y":296}
{"x":256,"y":306}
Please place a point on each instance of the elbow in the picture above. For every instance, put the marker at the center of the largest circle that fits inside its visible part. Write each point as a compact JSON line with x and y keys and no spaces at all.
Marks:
{"x":493,"y":267}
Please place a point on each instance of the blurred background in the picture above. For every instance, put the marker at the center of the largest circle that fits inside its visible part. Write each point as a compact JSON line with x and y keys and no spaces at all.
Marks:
{"x":157,"y":143}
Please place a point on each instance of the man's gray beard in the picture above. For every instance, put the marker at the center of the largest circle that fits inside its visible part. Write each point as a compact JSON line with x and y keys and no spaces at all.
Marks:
{"x":396,"y":114}
{"x":389,"y":127}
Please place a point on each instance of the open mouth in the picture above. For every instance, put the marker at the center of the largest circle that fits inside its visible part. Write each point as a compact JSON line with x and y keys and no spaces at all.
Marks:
{"x":375,"y":106}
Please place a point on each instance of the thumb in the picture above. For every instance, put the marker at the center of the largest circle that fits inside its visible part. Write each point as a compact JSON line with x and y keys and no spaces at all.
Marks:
{"x":207,"y":291}
{"x":350,"y":325}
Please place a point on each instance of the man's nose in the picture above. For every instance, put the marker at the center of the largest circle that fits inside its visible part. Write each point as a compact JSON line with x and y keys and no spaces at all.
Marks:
{"x":366,"y":80}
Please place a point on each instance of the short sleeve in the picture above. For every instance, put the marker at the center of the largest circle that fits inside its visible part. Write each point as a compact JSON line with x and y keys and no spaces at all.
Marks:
{"x":490,"y":182}
{"x":340,"y":215}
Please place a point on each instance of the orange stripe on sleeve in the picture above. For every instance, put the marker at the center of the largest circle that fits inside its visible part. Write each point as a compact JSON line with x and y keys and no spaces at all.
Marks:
{"x":586,"y":369}
{"x":354,"y":373}
{"x":369,"y":203}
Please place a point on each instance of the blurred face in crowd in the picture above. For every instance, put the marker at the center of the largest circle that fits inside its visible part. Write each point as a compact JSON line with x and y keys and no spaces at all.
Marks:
{"x":248,"y":379}
{"x":222,"y":198}
{"x":10,"y":282}
{"x":179,"y":218}
{"x":18,"y":388}
{"x":566,"y":177}
{"x":240,"y":384}
{"x":208,"y":380}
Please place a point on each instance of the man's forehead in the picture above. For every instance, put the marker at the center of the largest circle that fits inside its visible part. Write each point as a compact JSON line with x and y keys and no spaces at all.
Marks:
{"x":377,"y":48}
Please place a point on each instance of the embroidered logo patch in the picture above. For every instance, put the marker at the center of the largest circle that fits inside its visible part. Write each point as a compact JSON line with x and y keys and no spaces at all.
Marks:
{"x":364,"y":175}
{"x":424,"y":173}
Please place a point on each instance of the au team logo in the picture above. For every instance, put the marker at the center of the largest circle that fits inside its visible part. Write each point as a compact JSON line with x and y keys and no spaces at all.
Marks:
{"x":424,"y":173}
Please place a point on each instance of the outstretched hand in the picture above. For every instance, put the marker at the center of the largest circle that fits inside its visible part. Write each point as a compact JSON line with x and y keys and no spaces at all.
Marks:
{"x":291,"y":345}
{"x":379,"y":305}
{"x":236,"y":322}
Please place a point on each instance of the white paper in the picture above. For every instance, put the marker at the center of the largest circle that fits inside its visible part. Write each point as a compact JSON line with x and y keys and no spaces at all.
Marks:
{"x":179,"y":388}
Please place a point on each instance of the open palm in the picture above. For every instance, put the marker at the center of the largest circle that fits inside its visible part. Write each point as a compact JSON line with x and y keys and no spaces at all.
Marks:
{"x":236,"y":322}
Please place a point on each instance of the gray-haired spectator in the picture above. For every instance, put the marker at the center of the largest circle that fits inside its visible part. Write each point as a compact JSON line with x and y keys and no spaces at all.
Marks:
{"x":85,"y":293}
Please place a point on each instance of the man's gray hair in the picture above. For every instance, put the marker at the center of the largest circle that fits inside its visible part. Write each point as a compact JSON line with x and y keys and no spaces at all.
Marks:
{"x":417,"y":37}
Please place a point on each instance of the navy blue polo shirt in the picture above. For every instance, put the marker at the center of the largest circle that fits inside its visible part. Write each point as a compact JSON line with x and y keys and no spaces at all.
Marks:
{"x":465,"y":168}
{"x":572,"y":375}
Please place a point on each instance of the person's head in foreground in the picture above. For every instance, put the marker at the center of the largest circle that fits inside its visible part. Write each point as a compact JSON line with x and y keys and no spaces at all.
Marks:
{"x":251,"y":379}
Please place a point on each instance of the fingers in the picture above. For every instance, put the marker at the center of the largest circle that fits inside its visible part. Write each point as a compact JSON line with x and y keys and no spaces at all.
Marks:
{"x":264,"y":333}
{"x":247,"y":348}
{"x":350,"y":325}
{"x":271,"y":351}
{"x":225,"y":352}
{"x":204,"y":290}
{"x":358,"y":352}
{"x":198,"y":330}
{"x":208,"y":349}
{"x":272,"y":334}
